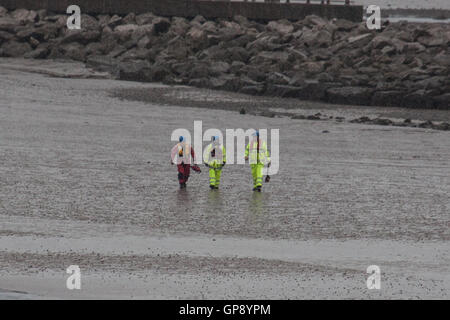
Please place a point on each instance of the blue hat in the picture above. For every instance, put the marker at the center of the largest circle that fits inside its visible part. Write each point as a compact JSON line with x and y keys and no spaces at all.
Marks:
{"x":215,"y":138}
{"x":181,"y":139}
{"x":256,"y":134}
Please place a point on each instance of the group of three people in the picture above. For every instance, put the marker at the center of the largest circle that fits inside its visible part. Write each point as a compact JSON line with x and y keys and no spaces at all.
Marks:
{"x":215,"y":159}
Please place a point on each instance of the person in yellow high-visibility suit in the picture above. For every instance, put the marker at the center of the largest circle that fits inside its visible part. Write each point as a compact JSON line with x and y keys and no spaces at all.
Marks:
{"x":215,"y":159}
{"x":259,"y":156}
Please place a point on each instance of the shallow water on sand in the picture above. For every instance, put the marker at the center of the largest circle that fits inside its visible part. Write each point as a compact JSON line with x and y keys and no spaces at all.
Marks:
{"x":72,"y":154}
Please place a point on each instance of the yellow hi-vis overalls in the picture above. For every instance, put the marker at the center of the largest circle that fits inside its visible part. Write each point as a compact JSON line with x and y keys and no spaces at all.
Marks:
{"x":215,"y":157}
{"x":258,"y":156}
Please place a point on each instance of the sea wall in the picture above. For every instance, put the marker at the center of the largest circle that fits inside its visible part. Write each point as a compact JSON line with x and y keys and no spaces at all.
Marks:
{"x":338,"y":61}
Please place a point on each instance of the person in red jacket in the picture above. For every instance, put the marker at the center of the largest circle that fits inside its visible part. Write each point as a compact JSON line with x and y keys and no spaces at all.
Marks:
{"x":183,"y":155}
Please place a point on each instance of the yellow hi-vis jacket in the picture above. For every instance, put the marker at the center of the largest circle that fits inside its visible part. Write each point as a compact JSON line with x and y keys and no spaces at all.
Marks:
{"x":215,"y":155}
{"x":255,"y":157}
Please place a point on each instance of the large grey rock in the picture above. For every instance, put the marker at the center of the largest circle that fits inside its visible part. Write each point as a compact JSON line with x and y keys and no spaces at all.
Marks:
{"x":350,"y":95}
{"x":313,"y":20}
{"x":129,"y":18}
{"x":197,"y":37}
{"x":3,"y":11}
{"x":379,"y":42}
{"x":103,"y":63}
{"x":442,"y":101}
{"x":237,"y":54}
{"x":15,"y":49}
{"x":5,"y":36}
{"x":135,"y":71}
{"x":283,"y":26}
{"x":145,"y":18}
{"x":103,"y":20}
{"x":114,"y":21}
{"x":317,"y":38}
{"x":179,"y":26}
{"x":74,"y":51}
{"x":89,"y":23}
{"x":24,"y":15}
{"x":360,"y":40}
{"x":387,"y":98}
{"x":344,"y":25}
{"x":414,"y":47}
{"x":124,"y":32}
{"x":38,"y":53}
{"x":418,"y":99}
{"x":8,"y":24}
{"x":80,"y":36}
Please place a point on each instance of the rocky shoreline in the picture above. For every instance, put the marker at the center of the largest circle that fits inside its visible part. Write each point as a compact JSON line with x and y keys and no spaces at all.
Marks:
{"x":402,"y":65}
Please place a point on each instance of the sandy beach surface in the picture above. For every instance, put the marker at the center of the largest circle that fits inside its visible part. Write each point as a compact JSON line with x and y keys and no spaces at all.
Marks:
{"x":85,"y":180}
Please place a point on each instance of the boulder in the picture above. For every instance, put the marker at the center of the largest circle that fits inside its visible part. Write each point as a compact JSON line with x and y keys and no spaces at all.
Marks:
{"x":285,"y":91}
{"x":124,"y":32}
{"x":129,"y":18}
{"x":360,"y":40}
{"x":114,"y":21}
{"x":242,"y":21}
{"x":387,"y":98}
{"x":350,"y":95}
{"x":237,"y":54}
{"x":282,"y":27}
{"x":24,"y":15}
{"x":442,"y":101}
{"x":103,"y":63}
{"x":269,"y":56}
{"x":179,"y":26}
{"x":218,"y":68}
{"x":103,"y":20}
{"x":414,"y":47}
{"x":344,"y":25}
{"x":134,"y":54}
{"x":15,"y":49}
{"x":74,"y":51}
{"x":80,"y":36}
{"x":89,"y":23}
{"x":94,"y":48}
{"x":379,"y":42}
{"x":3,"y":11}
{"x":313,"y":67}
{"x":254,"y":90}
{"x":135,"y":71}
{"x":5,"y":36}
{"x":418,"y":99}
{"x":197,"y":37}
{"x":382,"y":122}
{"x":199,"y":20}
{"x":434,"y":41}
{"x":236,"y":66}
{"x":8,"y":24}
{"x":145,"y":18}
{"x":313,"y":20}
{"x":38,"y":53}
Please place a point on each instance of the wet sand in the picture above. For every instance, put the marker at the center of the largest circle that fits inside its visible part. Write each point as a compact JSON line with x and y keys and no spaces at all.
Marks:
{"x":86,"y":179}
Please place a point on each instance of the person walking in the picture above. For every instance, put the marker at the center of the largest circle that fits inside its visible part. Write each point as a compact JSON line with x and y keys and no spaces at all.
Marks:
{"x":183,"y":155}
{"x":215,"y":159}
{"x":258,"y":154}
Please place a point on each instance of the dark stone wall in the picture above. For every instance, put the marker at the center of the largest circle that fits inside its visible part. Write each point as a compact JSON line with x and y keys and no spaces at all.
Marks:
{"x":188,"y":8}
